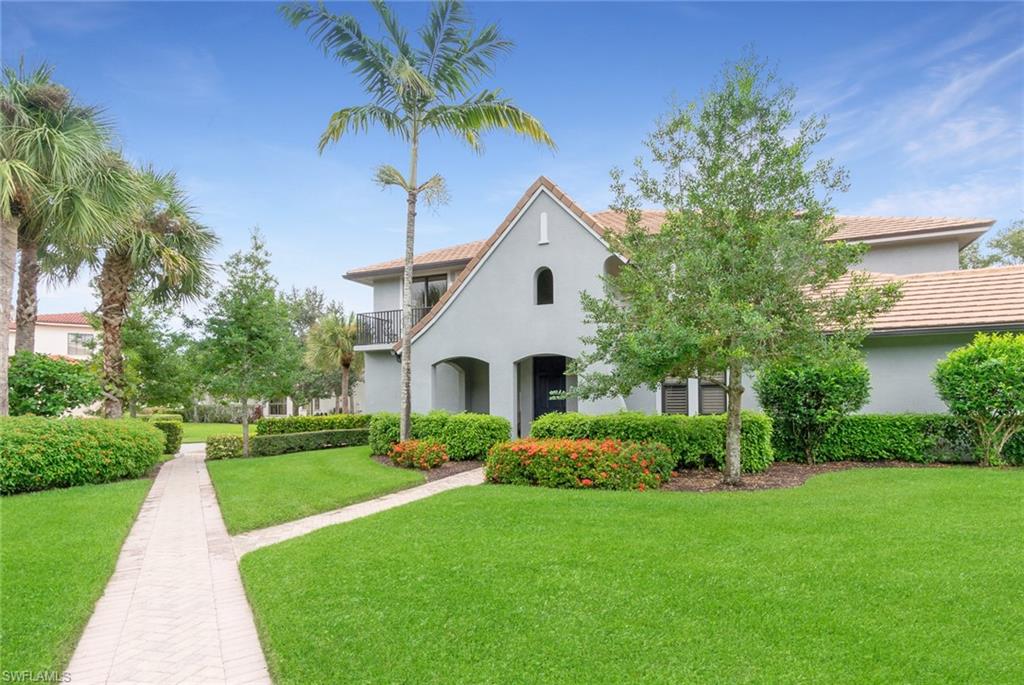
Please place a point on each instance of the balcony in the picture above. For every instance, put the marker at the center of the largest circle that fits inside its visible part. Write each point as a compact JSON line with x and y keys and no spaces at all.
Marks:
{"x":385,"y":327}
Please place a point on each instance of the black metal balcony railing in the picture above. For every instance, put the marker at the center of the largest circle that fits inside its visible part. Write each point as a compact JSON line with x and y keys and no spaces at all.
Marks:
{"x":384,"y":328}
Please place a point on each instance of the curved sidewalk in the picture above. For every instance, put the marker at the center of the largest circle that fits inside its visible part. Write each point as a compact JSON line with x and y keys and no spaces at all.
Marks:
{"x":174,"y":611}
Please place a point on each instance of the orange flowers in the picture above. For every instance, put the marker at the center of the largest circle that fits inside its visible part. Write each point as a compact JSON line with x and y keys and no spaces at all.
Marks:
{"x":421,"y":454}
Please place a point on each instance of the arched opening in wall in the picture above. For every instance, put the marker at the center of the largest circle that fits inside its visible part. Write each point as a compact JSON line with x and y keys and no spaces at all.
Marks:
{"x":537,"y":377}
{"x":545,"y":286}
{"x":612,"y":266}
{"x":461,"y":384}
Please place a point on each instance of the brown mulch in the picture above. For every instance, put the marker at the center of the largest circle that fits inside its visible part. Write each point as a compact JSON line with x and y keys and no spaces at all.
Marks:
{"x":781,"y":474}
{"x":448,"y":469}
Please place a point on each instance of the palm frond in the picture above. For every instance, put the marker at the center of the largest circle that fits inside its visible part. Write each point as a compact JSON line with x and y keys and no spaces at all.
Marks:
{"x":358,"y":119}
{"x":387,"y":175}
{"x":462,"y":68}
{"x":485,"y":112}
{"x":434,"y":191}
{"x":441,"y":34}
{"x":397,"y":34}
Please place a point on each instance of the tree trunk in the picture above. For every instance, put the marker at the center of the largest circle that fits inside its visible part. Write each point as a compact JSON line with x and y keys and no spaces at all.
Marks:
{"x":8,"y":246}
{"x":732,"y":474}
{"x":405,"y":431}
{"x":115,"y":281}
{"x":28,"y":296}
{"x":337,"y":403}
{"x":245,"y":427}
{"x":346,"y":407}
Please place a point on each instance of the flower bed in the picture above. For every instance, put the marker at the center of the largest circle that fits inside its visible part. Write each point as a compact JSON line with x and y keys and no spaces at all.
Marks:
{"x":583,"y":463}
{"x":420,"y":454}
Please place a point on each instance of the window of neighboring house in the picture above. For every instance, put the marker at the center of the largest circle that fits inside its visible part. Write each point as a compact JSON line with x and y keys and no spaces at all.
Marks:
{"x":545,"y":286}
{"x":278,"y":407}
{"x":427,"y":290}
{"x":675,"y":396}
{"x":712,"y":396}
{"x":80,"y":344}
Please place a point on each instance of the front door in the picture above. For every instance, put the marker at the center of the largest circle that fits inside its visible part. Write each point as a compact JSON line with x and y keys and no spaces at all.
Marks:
{"x":548,"y":377}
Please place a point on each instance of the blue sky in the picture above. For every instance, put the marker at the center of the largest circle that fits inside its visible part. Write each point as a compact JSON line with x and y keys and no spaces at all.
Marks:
{"x":926,"y":107}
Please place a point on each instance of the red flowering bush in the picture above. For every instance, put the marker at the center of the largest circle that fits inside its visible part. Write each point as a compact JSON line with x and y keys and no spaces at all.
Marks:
{"x":420,"y":454}
{"x":567,"y":463}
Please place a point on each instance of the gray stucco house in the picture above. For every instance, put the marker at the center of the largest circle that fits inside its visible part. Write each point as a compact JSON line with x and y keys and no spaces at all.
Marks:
{"x":498,"y":318}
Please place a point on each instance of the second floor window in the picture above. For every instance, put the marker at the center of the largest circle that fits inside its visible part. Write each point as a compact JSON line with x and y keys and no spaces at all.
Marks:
{"x":79,"y":344}
{"x":278,"y":407}
{"x":427,"y":290}
{"x":545,"y":286}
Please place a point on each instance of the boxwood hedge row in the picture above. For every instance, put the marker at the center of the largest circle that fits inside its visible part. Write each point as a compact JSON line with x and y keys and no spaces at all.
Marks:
{"x":466,"y":436}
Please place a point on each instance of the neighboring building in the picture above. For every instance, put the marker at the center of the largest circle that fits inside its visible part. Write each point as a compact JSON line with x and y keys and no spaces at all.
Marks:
{"x":66,"y":335}
{"x":497,"y":319}
{"x":285,"y":406}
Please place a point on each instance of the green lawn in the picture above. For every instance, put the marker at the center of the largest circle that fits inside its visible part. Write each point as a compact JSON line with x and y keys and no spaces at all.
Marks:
{"x":259,"y":492}
{"x":866,"y":576}
{"x":57,"y":551}
{"x":199,"y":432}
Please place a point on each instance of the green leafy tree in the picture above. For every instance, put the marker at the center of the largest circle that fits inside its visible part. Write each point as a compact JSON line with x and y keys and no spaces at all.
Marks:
{"x":248,"y":350}
{"x":331,"y":349}
{"x":416,"y":89}
{"x":56,"y":187}
{"x":742,"y":271}
{"x":982,"y":385}
{"x":47,"y":386}
{"x":307,"y":307}
{"x":1005,"y":249}
{"x":808,"y":398}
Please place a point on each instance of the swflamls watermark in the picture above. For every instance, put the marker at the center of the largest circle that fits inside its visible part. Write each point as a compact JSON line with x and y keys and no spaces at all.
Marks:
{"x":34,"y":677}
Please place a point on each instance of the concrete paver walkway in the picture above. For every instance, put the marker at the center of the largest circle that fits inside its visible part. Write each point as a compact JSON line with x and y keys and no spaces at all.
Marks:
{"x":174,"y":610}
{"x":247,"y":542}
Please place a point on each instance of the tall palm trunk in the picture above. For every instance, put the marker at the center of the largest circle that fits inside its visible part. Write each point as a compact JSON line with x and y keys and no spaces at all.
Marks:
{"x":346,"y":407}
{"x":115,"y":282}
{"x":734,"y":393}
{"x":407,"y":322}
{"x":28,"y":296}
{"x":8,"y":246}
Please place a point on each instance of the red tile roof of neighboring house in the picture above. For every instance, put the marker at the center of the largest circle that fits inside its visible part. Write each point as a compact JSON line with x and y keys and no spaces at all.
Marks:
{"x":850,"y":227}
{"x":66,"y":319}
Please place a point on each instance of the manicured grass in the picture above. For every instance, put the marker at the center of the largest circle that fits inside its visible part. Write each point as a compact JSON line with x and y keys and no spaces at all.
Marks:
{"x":199,"y":432}
{"x":57,"y":551}
{"x":867,"y":576}
{"x":259,"y":492}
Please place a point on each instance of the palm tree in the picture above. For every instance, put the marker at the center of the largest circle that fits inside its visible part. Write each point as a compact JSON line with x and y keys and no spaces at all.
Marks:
{"x":163,"y":252}
{"x":330,"y":346}
{"x":49,"y":151}
{"x":415,"y":90}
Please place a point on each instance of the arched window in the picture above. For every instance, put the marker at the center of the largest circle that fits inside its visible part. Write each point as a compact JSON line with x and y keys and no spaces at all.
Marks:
{"x":545,"y":286}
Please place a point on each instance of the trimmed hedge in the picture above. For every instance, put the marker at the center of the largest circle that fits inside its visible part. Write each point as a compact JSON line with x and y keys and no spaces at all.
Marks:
{"x":695,"y":440}
{"x":162,"y":417}
{"x":38,"y":453}
{"x":420,"y":454}
{"x":466,"y":436}
{"x":230,"y":446}
{"x":308,"y":424}
{"x":921,"y":438}
{"x":172,"y":435}
{"x":566,"y":463}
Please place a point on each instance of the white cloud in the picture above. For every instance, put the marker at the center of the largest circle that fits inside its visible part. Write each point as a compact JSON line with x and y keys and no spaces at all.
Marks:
{"x":977,"y":197}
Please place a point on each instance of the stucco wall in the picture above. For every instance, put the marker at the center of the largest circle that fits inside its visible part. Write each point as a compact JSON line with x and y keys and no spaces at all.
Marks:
{"x":53,"y":339}
{"x":916,"y":257}
{"x":387,"y":294}
{"x":901,"y":368}
{"x":382,"y":376}
{"x":494,"y":318}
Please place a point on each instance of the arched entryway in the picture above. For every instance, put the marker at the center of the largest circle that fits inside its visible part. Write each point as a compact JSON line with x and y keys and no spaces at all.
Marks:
{"x":537,"y":377}
{"x":461,"y":384}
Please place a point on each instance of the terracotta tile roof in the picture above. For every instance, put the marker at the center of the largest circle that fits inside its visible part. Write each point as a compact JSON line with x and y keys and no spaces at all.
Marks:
{"x":850,"y":227}
{"x":67,"y":319}
{"x":548,"y":185}
{"x":966,"y":298}
{"x":455,"y":255}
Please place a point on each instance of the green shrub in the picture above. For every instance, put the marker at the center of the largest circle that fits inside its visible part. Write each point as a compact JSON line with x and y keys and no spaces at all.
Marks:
{"x":172,"y":435}
{"x":808,"y":398}
{"x":230,"y":446}
{"x":983,"y":385}
{"x":224,"y":446}
{"x":39,"y":453}
{"x":43,"y":386}
{"x":580,"y":463}
{"x":695,"y":440}
{"x":466,"y":436}
{"x":420,"y":454}
{"x":919,"y":438}
{"x":163,"y":417}
{"x":306,"y":424}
